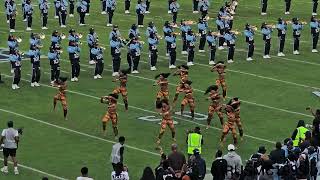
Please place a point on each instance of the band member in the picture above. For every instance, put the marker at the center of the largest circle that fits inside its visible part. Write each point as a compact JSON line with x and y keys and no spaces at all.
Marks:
{"x":34,"y":54}
{"x":174,"y":8}
{"x":288,"y":5}
{"x":56,"y":38}
{"x":127,"y":6}
{"x":266,"y":31}
{"x":28,"y":9}
{"x":61,"y":84}
{"x":35,"y":41}
{"x":314,"y":7}
{"x":221,"y":29}
{"x":172,"y":46}
{"x":220,"y":81}
{"x":54,"y":59}
{"x":188,"y":98}
{"x":140,"y":10}
{"x":88,"y":7}
{"x":229,"y":124}
{"x":116,"y":44}
{"x":13,"y":43}
{"x":82,"y":9}
{"x":235,"y":102}
{"x":215,"y":104}
{"x":103,"y":6}
{"x":315,"y":27}
{"x":163,"y":93}
{"x":44,"y":9}
{"x":296,"y":28}
{"x":62,"y":6}
{"x":212,"y":41}
{"x":167,"y":30}
{"x":74,"y":55}
{"x":230,"y":38}
{"x":11,"y":11}
{"x":111,"y":7}
{"x":202,"y":30}
{"x":167,"y":120}
{"x":97,"y":54}
{"x":148,"y":2}
{"x":249,"y":33}
{"x":153,"y":51}
{"x":122,"y":88}
{"x":111,"y":114}
{"x":133,"y":31}
{"x":264,"y":6}
{"x":135,"y":53}
{"x":203,"y":7}
{"x":6,"y":3}
{"x":169,"y":2}
{"x":282,"y":31}
{"x":151,"y":29}
{"x":115,"y":32}
{"x":23,"y":3}
{"x":191,"y":40}
{"x":195,"y":6}
{"x":15,"y":60}
{"x":183,"y":73}
{"x":71,"y":8}
{"x":56,"y":14}
{"x":184,"y":27}
{"x":92,"y":38}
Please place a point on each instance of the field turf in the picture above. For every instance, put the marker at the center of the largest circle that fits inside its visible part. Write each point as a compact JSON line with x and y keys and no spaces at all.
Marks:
{"x":274,"y":94}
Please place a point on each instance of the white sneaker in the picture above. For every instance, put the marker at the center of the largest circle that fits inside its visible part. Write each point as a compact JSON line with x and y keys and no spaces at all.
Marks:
{"x":140,"y":26}
{"x":127,"y":12}
{"x":45,"y":28}
{"x":184,"y":52}
{"x":314,"y":14}
{"x":91,"y":62}
{"x":153,"y":68}
{"x":76,"y":79}
{"x":17,"y":87}
{"x":296,"y":52}
{"x":201,"y":50}
{"x":230,"y":61}
{"x":99,"y":76}
{"x":167,"y":54}
{"x":71,"y":15}
{"x":8,"y":21}
{"x":263,"y":14}
{"x":220,"y":47}
{"x":12,"y":30}
{"x":95,"y":77}
{"x":115,"y":74}
{"x":73,"y":80}
{"x":36,"y":84}
{"x":268,"y":57}
{"x":190,"y":64}
{"x":135,"y":72}
{"x":108,"y":25}
{"x":5,"y":169}
{"x":287,"y":13}
{"x":16,"y":172}
{"x":195,"y":12}
{"x":24,"y":20}
{"x":56,"y":17}
{"x":264,"y":57}
{"x":249,"y":59}
{"x":172,"y":66}
{"x":32,"y":85}
{"x":13,"y":86}
{"x":314,"y":51}
{"x":82,"y":24}
{"x":147,"y":12}
{"x":63,"y":26}
{"x":225,"y":44}
{"x":103,"y":12}
{"x":279,"y":54}
{"x":87,"y":14}
{"x":169,"y":12}
{"x":52,"y":83}
{"x":212,"y":63}
{"x":28,"y":29}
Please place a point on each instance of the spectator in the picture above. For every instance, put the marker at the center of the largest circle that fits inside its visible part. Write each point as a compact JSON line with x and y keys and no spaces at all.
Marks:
{"x":302,"y":167}
{"x":200,"y":164}
{"x":194,"y":140}
{"x":44,"y":178}
{"x":219,"y":167}
{"x":234,"y":162}
{"x":177,"y":161}
{"x":307,"y":142}
{"x":299,"y":134}
{"x":117,"y":152}
{"x":277,"y":157}
{"x":10,"y":140}
{"x":287,"y":147}
{"x":316,"y":125}
{"x":266,"y":170}
{"x":166,"y":172}
{"x":84,"y":174}
{"x":120,"y":173}
{"x":159,"y":168}
{"x":148,"y":174}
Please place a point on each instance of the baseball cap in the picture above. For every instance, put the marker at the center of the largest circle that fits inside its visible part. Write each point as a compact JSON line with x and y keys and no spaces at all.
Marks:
{"x":231,"y":147}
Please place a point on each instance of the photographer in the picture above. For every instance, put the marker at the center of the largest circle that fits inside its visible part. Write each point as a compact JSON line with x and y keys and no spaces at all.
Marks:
{"x":10,"y":140}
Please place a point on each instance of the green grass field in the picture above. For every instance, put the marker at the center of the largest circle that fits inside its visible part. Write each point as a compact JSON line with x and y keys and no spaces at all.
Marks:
{"x":274,"y":93}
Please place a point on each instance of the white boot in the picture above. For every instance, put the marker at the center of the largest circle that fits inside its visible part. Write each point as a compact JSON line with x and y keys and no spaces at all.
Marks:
{"x":5,"y":169}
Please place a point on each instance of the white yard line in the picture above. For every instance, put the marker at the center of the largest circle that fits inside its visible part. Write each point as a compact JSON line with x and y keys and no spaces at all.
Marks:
{"x":33,"y":169}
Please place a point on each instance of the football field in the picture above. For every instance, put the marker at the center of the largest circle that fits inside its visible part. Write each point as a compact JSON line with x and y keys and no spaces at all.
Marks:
{"x":274,"y":93}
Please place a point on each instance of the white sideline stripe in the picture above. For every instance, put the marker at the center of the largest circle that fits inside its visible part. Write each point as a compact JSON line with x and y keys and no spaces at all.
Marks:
{"x":134,"y":107}
{"x":36,"y":170}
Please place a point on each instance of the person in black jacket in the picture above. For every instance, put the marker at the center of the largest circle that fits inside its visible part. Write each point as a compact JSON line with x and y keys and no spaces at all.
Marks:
{"x":303,"y":167}
{"x":219,"y":167}
{"x":315,"y":126}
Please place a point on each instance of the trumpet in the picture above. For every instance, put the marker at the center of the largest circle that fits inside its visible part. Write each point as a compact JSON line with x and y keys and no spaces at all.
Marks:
{"x":141,"y":42}
{"x":189,"y":22}
{"x":42,"y":36}
{"x":271,"y":26}
{"x":216,"y":33}
{"x":176,"y":33}
{"x":235,"y":32}
{"x":253,"y":28}
{"x":18,"y":39}
{"x":79,"y":35}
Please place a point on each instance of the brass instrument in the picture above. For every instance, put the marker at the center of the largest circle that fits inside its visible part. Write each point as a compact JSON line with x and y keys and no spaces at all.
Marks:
{"x":235,"y":32}
{"x":189,"y":22}
{"x":215,"y":33}
{"x":18,"y":39}
{"x":253,"y":28}
{"x":62,"y":35}
{"x":79,"y":35}
{"x":271,"y":26}
{"x":176,"y":33}
{"x":141,"y":42}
